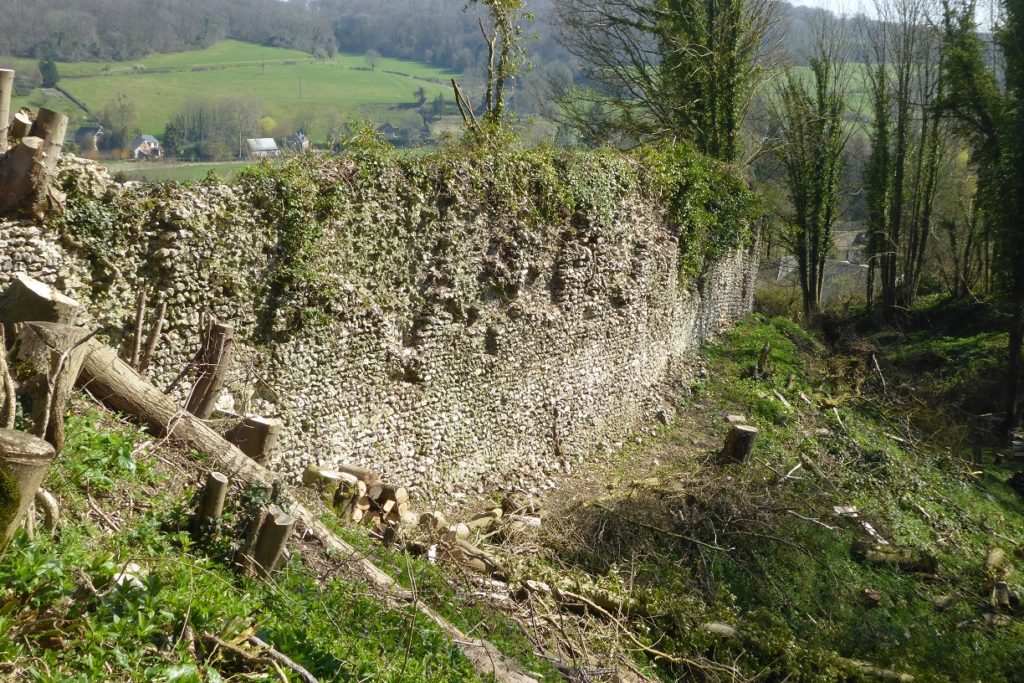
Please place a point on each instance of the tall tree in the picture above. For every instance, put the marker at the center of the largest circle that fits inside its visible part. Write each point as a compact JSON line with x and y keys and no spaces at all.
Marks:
{"x":667,"y":69}
{"x":902,"y":70}
{"x":988,"y":104}
{"x":810,"y":119}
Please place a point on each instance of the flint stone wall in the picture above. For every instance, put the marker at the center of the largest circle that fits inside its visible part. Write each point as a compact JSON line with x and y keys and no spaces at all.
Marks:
{"x":463,"y":391}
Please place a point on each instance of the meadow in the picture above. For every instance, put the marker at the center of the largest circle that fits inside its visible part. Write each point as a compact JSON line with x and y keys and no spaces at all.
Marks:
{"x":290,"y":86}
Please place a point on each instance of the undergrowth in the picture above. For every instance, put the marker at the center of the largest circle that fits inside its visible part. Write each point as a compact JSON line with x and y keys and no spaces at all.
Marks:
{"x":126,"y":595}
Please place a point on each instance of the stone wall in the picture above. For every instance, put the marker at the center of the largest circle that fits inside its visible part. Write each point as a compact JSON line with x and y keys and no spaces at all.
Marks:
{"x":461,"y":385}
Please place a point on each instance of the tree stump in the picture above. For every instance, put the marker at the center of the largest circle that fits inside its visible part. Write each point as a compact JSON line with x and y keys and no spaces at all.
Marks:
{"x":211,"y":502}
{"x":47,"y":359}
{"x":29,"y":299}
{"x":256,"y":437}
{"x":21,"y":124}
{"x":271,"y":540}
{"x":214,"y":360}
{"x":739,"y":444}
{"x":24,"y":460}
{"x":6,"y":89}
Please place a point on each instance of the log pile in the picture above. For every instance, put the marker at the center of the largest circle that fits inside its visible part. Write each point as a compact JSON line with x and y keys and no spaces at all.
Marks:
{"x":30,"y":147}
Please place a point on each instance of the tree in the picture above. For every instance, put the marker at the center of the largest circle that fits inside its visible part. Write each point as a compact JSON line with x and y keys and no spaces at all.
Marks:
{"x":421,"y":96}
{"x":506,"y":56}
{"x":902,"y":177}
{"x":988,"y":107}
{"x":668,"y":69}
{"x":174,"y":140}
{"x":48,"y":72}
{"x":372,"y":59}
{"x":810,"y":121}
{"x":118,"y":120}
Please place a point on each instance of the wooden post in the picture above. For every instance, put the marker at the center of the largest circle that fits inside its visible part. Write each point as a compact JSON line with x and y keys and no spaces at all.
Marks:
{"x":256,"y":437}
{"x":213,"y":366}
{"x":739,"y":444}
{"x":271,"y":541}
{"x":6,"y":89}
{"x":140,"y":319}
{"x":23,"y":463}
{"x":29,"y":299}
{"x":47,"y":358}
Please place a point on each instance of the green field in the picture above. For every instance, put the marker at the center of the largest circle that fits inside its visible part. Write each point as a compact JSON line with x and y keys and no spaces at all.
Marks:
{"x":181,"y":172}
{"x":290,"y":85}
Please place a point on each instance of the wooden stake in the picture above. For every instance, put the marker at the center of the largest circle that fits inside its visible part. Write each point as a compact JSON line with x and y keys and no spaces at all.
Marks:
{"x":6,"y":89}
{"x":24,"y":460}
{"x":739,"y":444}
{"x":213,"y":366}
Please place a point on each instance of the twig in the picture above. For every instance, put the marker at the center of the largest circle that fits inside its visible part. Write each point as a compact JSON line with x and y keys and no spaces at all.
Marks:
{"x":283,"y":659}
{"x":812,"y":520}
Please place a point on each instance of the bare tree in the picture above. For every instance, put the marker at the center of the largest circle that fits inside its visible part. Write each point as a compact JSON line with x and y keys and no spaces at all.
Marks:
{"x":668,"y":70}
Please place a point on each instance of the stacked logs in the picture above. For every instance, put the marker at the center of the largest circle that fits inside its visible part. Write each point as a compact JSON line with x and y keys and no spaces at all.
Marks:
{"x":30,"y":147}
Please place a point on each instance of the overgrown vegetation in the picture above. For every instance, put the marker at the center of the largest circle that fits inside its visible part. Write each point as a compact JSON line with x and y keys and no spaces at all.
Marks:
{"x":121,"y":592}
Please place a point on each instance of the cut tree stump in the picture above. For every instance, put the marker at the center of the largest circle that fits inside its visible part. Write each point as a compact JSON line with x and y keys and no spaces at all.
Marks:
{"x":24,"y":460}
{"x":268,"y":555}
{"x":214,"y":359}
{"x":116,"y":385}
{"x":21,"y":123}
{"x":256,"y":437}
{"x":29,"y":299}
{"x":46,"y":359}
{"x":739,"y":444}
{"x":6,"y":89}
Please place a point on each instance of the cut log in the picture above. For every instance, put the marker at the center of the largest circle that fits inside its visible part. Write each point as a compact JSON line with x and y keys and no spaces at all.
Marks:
{"x":29,"y":299}
{"x":369,"y":477}
{"x":739,"y":444}
{"x":21,"y":124}
{"x":256,"y":437}
{"x":24,"y":460}
{"x":902,"y":557}
{"x":213,"y":363}
{"x":120,"y":388}
{"x":6,"y":89}
{"x":47,"y":358}
{"x":27,"y":171}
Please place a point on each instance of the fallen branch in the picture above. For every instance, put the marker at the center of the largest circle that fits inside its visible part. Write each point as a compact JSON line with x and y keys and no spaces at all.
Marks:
{"x":283,"y":660}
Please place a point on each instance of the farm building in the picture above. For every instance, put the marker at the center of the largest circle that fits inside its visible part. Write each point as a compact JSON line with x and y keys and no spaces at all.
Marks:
{"x":146,"y":147}
{"x":299,"y":142}
{"x":88,"y":137}
{"x":261,"y":148}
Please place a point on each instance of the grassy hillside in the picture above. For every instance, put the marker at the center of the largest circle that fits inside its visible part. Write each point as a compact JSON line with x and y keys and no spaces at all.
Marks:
{"x":287,"y":83}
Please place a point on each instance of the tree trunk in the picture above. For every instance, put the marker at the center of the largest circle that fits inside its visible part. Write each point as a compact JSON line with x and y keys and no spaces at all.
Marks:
{"x":120,"y":388}
{"x":211,"y":503}
{"x":213,"y":366}
{"x":268,"y":555}
{"x":29,"y":299}
{"x":47,"y":358}
{"x":23,"y":463}
{"x":6,"y":88}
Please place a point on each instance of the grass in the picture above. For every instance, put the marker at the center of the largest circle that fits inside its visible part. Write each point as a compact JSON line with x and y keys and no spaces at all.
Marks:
{"x":177,"y":171}
{"x":65,"y":617}
{"x":289,"y":85}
